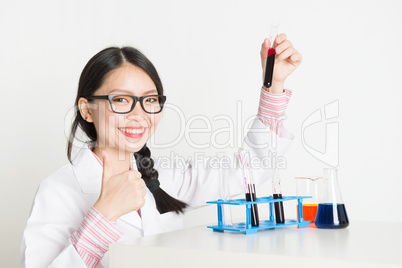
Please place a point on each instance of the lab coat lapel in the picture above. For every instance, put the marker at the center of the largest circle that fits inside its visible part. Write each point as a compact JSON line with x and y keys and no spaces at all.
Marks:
{"x":132,"y":219}
{"x":88,"y":171}
{"x":153,"y":222}
{"x":148,"y":222}
{"x":150,"y":215}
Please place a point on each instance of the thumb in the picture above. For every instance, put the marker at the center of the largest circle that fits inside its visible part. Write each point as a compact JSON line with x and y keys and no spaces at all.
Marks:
{"x":264,"y":48}
{"x":107,"y":166}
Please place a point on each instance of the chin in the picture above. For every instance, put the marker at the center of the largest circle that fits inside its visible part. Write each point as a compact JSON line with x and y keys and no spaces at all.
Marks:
{"x":131,"y":148}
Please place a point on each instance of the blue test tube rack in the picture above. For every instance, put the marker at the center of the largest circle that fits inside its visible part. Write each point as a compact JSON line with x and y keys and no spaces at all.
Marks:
{"x":263,"y":224}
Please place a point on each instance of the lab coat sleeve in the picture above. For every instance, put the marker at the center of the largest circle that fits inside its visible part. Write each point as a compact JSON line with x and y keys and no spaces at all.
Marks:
{"x":210,"y":178}
{"x":54,"y":218}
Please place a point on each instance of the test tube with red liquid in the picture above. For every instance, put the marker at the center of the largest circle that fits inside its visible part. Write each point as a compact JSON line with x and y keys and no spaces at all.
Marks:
{"x":269,"y":66}
{"x":277,"y":194}
{"x":249,"y":185}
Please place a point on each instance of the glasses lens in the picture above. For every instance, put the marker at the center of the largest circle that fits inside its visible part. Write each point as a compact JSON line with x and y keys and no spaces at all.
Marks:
{"x":153,"y":104}
{"x":122,"y":104}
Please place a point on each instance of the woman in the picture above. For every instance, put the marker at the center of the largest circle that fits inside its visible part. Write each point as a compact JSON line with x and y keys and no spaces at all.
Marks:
{"x":97,"y":198}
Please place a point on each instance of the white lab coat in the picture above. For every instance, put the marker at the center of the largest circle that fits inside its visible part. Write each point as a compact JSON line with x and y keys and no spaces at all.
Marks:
{"x":64,"y":198}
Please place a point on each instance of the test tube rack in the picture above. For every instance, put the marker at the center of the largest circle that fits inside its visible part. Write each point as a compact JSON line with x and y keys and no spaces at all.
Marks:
{"x":263,"y":224}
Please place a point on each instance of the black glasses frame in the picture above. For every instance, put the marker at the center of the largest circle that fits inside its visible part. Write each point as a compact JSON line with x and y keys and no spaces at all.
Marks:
{"x":136,"y":99}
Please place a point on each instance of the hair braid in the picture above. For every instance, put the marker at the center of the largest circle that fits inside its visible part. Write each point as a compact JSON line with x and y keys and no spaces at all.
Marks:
{"x":164,"y":202}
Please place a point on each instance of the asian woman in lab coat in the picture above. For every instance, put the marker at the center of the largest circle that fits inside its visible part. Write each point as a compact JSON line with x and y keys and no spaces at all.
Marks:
{"x":113,"y":190}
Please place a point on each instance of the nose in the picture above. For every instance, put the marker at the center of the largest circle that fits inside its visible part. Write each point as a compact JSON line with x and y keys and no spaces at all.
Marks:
{"x":137,"y":111}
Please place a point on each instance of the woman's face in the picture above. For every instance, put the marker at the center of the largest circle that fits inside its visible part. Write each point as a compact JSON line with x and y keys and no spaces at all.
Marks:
{"x":125,"y":132}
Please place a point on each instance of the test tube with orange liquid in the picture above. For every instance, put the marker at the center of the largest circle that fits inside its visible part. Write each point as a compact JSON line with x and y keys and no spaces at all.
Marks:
{"x":308,"y":187}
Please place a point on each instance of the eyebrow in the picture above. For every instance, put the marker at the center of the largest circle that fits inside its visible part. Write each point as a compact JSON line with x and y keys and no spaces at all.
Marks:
{"x":129,"y":92}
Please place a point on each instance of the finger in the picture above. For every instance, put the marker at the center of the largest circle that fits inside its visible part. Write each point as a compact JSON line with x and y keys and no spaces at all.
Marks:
{"x":285,"y":54}
{"x":143,"y":192}
{"x":141,"y":183}
{"x":264,"y":48}
{"x":107,"y":166}
{"x":283,"y":46}
{"x":296,"y":57}
{"x":139,"y":187}
{"x":142,"y":202}
{"x":280,"y":39}
{"x":134,"y":174}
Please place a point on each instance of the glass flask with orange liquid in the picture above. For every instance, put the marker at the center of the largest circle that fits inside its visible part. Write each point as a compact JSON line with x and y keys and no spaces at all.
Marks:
{"x":306,"y":186}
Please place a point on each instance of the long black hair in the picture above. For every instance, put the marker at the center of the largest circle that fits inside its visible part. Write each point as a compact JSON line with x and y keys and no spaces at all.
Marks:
{"x":92,"y":77}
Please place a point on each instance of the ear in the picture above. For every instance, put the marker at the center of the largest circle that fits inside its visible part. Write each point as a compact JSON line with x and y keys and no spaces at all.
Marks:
{"x":85,"y":110}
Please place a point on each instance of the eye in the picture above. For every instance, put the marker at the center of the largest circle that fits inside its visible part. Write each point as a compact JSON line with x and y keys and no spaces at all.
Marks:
{"x":120,"y":99}
{"x":152,"y":100}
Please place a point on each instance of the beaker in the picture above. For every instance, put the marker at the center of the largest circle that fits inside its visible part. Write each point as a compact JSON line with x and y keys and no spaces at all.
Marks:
{"x":306,"y":186}
{"x":331,"y":212}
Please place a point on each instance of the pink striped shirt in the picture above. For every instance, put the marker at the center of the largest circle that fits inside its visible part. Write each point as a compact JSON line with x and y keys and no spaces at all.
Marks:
{"x":93,"y":238}
{"x":272,"y":108}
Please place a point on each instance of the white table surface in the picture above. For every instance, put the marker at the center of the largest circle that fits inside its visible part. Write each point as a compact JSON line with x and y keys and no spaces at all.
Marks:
{"x":362,"y":244}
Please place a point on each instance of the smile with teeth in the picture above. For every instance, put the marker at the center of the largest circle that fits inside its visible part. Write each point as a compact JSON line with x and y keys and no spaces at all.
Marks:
{"x":132,"y":130}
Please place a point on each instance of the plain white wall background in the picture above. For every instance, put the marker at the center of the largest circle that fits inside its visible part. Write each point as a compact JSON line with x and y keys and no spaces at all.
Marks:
{"x":204,"y":50}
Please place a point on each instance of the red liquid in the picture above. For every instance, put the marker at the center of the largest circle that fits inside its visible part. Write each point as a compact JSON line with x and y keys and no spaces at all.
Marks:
{"x":279,"y":214}
{"x":309,"y":212}
{"x":255,"y":221}
{"x":251,"y":196}
{"x":271,"y":51}
{"x":269,"y":67}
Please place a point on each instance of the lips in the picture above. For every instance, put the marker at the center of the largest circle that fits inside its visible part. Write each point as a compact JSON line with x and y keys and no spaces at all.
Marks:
{"x":134,"y":132}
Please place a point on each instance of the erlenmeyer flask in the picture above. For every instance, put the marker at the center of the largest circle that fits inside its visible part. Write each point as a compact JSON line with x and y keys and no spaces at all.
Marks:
{"x":331,"y":212}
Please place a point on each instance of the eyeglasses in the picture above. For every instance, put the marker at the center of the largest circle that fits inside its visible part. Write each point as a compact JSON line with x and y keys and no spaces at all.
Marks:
{"x":124,"y":104}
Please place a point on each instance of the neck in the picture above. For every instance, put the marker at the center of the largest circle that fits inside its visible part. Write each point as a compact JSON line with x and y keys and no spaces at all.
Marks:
{"x":121,"y":161}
